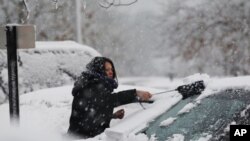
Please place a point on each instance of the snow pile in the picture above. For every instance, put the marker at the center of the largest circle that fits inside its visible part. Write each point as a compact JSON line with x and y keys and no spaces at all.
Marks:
{"x":206,"y":137}
{"x":243,"y":113}
{"x":187,"y":108}
{"x":197,"y":77}
{"x":139,"y":137}
{"x":28,"y":134}
{"x":176,"y":137}
{"x":42,"y":109}
{"x":217,"y":84}
{"x":168,"y":121}
{"x":49,"y":110}
{"x":50,"y":64}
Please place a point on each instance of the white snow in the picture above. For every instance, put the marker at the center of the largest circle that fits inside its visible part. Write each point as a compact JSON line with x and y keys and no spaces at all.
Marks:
{"x":206,"y":137}
{"x":168,"y":121}
{"x":135,"y":112}
{"x":243,"y":113}
{"x":218,"y":84}
{"x":187,"y":108}
{"x":45,"y":113}
{"x":176,"y":137}
{"x":2,"y":96}
{"x":49,"y":64}
{"x":64,"y":45}
{"x":197,"y":77}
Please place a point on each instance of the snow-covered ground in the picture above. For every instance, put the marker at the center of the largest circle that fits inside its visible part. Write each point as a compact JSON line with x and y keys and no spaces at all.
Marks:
{"x":44,"y":114}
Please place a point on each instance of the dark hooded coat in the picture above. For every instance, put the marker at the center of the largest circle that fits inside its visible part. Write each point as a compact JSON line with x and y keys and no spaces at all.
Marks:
{"x":94,"y":102}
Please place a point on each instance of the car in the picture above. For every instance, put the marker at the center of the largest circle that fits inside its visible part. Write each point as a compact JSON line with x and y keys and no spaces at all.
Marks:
{"x":209,"y":118}
{"x":47,"y":65}
{"x":170,"y":117}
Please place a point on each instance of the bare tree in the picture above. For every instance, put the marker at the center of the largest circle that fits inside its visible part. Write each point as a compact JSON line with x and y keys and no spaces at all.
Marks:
{"x":216,"y":32}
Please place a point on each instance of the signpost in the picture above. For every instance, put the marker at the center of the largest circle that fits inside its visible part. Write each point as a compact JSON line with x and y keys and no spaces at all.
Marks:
{"x":15,"y":37}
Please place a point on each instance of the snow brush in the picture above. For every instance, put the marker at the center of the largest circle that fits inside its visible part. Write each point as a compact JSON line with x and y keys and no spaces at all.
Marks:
{"x":186,"y":91}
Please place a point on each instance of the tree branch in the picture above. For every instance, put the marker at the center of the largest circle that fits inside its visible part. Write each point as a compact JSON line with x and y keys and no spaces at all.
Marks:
{"x":107,"y":4}
{"x":27,"y":10}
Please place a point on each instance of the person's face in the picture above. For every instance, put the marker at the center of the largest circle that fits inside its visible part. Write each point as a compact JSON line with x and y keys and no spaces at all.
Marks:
{"x":109,"y":70}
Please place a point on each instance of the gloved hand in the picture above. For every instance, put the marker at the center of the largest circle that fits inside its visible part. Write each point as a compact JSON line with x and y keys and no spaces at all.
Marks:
{"x":119,"y":114}
{"x":143,"y":95}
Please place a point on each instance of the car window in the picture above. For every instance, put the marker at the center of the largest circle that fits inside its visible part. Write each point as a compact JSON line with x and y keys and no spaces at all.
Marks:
{"x":209,"y":117}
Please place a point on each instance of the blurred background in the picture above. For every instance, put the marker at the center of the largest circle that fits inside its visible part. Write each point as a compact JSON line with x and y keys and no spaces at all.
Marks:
{"x":170,"y":38}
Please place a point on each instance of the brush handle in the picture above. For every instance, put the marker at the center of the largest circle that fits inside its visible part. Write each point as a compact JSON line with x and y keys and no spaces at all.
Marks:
{"x":144,"y":101}
{"x":164,"y":92}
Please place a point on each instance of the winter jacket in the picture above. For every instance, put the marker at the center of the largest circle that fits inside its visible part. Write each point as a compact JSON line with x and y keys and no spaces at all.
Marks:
{"x":93,"y":104}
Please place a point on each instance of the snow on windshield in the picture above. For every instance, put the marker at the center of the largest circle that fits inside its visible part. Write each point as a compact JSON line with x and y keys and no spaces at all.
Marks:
{"x":187,"y":108}
{"x":168,"y":121}
{"x":176,"y":137}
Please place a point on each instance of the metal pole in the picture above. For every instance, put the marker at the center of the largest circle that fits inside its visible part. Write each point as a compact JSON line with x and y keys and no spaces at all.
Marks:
{"x":78,"y":21}
{"x":11,"y":34}
{"x":164,"y":92}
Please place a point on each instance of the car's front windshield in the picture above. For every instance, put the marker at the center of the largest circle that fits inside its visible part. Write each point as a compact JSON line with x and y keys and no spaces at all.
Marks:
{"x":207,"y":118}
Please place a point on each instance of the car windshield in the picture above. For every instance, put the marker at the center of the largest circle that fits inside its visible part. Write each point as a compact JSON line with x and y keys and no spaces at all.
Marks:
{"x":207,"y":118}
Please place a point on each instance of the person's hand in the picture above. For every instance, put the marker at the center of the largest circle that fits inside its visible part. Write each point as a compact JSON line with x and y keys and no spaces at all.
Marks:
{"x":119,"y":114}
{"x":143,"y":95}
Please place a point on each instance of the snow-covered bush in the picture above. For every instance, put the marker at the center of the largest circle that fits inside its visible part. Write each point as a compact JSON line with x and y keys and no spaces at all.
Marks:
{"x":50,"y":64}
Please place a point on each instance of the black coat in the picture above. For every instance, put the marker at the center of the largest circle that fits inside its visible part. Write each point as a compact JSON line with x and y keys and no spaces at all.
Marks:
{"x":93,"y":105}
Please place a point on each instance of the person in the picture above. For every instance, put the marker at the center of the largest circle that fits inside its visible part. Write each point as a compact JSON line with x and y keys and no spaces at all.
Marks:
{"x":94,"y":101}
